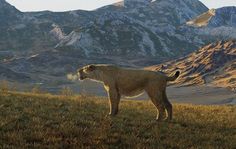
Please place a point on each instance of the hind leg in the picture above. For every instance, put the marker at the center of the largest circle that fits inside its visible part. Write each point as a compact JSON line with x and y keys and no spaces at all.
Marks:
{"x":161,"y":112}
{"x":168,"y":106}
{"x":157,"y":100}
{"x":169,"y":110}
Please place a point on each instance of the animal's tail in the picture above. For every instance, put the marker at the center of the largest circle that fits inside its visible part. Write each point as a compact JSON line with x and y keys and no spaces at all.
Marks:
{"x":174,"y":77}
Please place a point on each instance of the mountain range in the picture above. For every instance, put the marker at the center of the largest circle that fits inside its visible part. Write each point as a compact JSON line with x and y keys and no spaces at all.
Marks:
{"x":42,"y":47}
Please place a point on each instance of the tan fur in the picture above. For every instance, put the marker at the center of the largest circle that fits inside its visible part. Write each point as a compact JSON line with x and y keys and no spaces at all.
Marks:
{"x":131,"y":82}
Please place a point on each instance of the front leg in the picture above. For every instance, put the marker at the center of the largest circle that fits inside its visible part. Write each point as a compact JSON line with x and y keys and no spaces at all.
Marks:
{"x":114,"y":99}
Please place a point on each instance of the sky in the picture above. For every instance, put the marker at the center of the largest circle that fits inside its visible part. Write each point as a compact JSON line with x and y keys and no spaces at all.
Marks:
{"x":65,"y":5}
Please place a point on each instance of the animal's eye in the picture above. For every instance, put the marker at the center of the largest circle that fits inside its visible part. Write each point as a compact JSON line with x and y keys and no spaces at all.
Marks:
{"x":91,"y":68}
{"x":80,"y":70}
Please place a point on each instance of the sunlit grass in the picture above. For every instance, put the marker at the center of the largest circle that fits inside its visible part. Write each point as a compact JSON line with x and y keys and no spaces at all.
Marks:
{"x":30,"y":120}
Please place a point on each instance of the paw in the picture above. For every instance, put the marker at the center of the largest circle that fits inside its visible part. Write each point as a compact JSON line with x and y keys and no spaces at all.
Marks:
{"x":159,"y":120}
{"x":112,"y":114}
{"x":167,"y":120}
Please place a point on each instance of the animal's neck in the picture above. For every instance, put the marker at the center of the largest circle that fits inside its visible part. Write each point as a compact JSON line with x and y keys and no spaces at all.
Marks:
{"x":102,"y":76}
{"x":98,"y":77}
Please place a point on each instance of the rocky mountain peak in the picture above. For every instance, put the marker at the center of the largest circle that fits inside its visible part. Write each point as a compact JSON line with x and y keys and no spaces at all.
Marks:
{"x":8,"y":14}
{"x":5,"y":7}
{"x":225,"y":16}
{"x":133,"y":3}
{"x":2,"y":1}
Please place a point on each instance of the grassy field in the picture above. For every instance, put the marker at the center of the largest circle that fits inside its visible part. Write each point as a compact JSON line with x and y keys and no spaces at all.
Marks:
{"x":46,"y":121}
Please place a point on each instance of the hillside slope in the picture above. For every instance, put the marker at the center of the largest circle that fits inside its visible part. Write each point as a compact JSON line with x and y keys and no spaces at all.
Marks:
{"x":203,"y":19}
{"x":155,"y":23}
{"x":224,"y":16}
{"x":216,"y":23}
{"x":46,"y":121}
{"x":45,"y":46}
{"x":212,"y":64}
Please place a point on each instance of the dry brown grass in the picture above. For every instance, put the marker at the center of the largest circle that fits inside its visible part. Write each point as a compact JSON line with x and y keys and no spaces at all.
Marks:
{"x":203,"y":19}
{"x":45,"y":121}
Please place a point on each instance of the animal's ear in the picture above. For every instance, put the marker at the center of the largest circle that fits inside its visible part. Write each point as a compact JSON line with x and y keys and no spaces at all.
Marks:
{"x":91,"y":67}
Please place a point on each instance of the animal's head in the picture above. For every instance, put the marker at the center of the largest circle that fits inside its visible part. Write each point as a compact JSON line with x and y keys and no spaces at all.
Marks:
{"x":89,"y":71}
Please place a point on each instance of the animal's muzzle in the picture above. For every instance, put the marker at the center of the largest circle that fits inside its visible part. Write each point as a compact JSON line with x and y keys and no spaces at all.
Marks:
{"x":82,"y":77}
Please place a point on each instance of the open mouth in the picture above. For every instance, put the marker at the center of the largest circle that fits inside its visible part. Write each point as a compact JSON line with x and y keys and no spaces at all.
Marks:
{"x":82,"y":77}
